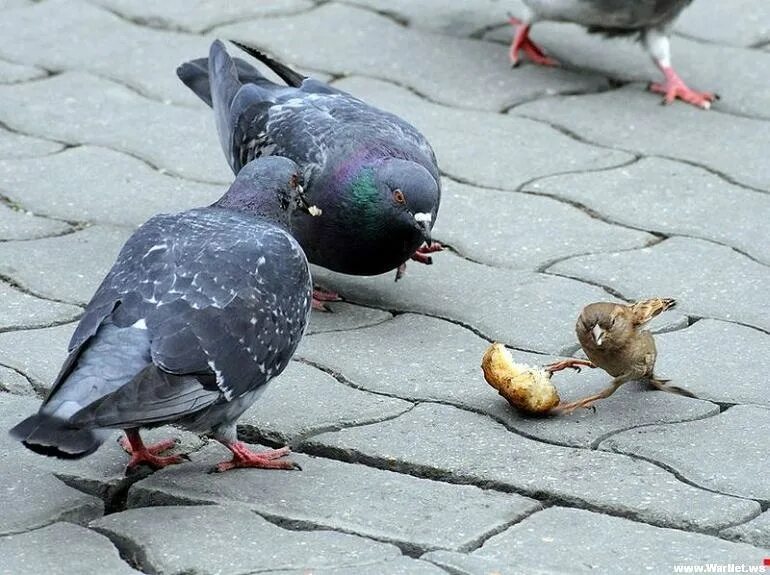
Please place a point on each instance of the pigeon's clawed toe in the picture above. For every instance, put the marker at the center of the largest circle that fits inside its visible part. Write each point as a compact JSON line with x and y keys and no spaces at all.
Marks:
{"x":243,"y":457}
{"x":674,"y":88}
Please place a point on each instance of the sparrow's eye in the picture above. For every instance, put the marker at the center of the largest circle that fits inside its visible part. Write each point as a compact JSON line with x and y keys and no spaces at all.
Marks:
{"x":398,"y":195}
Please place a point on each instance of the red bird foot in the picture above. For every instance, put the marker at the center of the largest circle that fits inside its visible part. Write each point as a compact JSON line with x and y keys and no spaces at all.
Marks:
{"x":245,"y":457}
{"x":142,"y":454}
{"x":420,"y":256}
{"x":522,"y":41}
{"x":321,"y":296}
{"x":570,"y":363}
{"x":674,"y":88}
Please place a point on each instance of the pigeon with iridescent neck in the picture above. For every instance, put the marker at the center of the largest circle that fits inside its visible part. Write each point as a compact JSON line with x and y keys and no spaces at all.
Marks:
{"x":372,"y":174}
{"x":649,"y":20}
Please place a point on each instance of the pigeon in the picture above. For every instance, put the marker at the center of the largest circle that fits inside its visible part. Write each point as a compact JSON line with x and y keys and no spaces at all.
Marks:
{"x":200,"y":310}
{"x":650,"y":20}
{"x":611,"y":336}
{"x":372,"y":174}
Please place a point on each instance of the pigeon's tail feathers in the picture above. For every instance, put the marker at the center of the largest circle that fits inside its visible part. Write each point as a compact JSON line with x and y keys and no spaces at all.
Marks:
{"x":195,"y":75}
{"x":56,"y":438}
{"x":154,"y":396}
{"x":291,"y":77}
{"x":223,"y":78}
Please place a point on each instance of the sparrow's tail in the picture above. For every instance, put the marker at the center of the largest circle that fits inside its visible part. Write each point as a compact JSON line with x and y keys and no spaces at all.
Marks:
{"x":662,"y":385}
{"x":50,"y":436}
{"x":644,"y":310}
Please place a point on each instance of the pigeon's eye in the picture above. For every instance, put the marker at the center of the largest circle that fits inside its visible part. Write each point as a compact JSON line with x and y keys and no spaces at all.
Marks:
{"x":294,"y":180}
{"x":398,"y":195}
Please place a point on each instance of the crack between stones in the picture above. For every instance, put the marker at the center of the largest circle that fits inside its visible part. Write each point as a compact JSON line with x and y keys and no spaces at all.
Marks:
{"x":25,"y":290}
{"x":40,"y":390}
{"x":479,"y":542}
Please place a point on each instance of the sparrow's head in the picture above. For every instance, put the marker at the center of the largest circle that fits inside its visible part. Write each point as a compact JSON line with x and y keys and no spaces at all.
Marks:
{"x":604,"y":325}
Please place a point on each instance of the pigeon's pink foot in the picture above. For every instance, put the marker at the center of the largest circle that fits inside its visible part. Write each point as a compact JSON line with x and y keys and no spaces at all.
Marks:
{"x":320,"y":296}
{"x":675,"y":88}
{"x":142,"y":454}
{"x":420,"y":256}
{"x":522,"y":41}
{"x":245,"y":457}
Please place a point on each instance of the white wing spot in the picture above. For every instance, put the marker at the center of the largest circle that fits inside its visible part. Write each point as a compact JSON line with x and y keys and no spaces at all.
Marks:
{"x":140,"y":324}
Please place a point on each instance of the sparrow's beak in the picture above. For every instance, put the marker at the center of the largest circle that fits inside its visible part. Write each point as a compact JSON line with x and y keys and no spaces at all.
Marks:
{"x":304,"y":205}
{"x":423,"y":222}
{"x":598,"y":334}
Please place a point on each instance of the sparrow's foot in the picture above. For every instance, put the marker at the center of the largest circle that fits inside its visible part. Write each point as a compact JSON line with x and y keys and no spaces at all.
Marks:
{"x":567,"y":408}
{"x":245,"y":457}
{"x":674,"y":88}
{"x":521,"y":41}
{"x":321,"y":296}
{"x":142,"y":454}
{"x":571,"y":363}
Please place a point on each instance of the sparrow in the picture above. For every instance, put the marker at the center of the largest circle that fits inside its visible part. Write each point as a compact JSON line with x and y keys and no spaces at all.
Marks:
{"x":612,"y":337}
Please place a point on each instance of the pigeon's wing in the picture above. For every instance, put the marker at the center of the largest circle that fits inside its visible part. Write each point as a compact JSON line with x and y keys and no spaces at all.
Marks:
{"x":229,"y":321}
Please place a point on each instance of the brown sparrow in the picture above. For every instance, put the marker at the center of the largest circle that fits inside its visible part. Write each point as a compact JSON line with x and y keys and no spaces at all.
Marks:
{"x":611,"y":336}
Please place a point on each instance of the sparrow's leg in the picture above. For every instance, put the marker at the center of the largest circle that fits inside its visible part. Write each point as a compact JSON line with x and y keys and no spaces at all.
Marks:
{"x":571,"y":363}
{"x":661,"y":384}
{"x":588,"y":402}
{"x":148,"y":454}
{"x":320,"y":296}
{"x":521,"y":41}
{"x":245,"y":457}
{"x":674,"y":87}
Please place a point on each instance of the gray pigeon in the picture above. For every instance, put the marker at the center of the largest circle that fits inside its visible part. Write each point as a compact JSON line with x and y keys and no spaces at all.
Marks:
{"x":650,"y":20}
{"x":199,"y":312}
{"x":374,"y":175}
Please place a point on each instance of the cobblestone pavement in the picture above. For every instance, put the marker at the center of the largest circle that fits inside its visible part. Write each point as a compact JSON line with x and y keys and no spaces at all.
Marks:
{"x":562,"y":187}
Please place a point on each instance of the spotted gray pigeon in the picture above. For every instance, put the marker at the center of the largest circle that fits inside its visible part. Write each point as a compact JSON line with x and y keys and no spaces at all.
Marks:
{"x":374,"y":175}
{"x":199,"y":312}
{"x":650,"y":20}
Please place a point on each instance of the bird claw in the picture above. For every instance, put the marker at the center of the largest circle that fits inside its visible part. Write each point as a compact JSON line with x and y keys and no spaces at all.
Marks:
{"x":320,"y":297}
{"x":572,"y":363}
{"x":674,"y":88}
{"x":243,"y":457}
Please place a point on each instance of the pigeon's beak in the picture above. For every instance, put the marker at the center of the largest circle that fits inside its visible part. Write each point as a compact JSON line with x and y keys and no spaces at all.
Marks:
{"x":598,"y":334}
{"x":304,"y":205}
{"x":423,"y":222}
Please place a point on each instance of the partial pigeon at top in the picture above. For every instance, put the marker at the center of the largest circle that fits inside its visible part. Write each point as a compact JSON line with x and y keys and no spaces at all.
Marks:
{"x":199,"y":312}
{"x":651,"y":20}
{"x":373,"y":174}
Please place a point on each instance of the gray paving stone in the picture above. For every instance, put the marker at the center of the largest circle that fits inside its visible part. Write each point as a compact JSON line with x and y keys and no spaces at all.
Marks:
{"x":718,"y":361}
{"x":32,"y":500}
{"x":11,"y":4}
{"x":140,"y":57}
{"x":20,"y":310}
{"x":68,"y":267}
{"x":344,"y":317}
{"x":398,"y":566}
{"x":519,"y":230}
{"x":495,"y":151}
{"x":79,"y":108}
{"x":457,"y":71}
{"x":37,"y":353}
{"x":213,"y":539}
{"x":83,"y":183}
{"x":735,"y":441}
{"x":417,"y":514}
{"x":453,"y":17}
{"x":561,"y":540}
{"x":17,"y":224}
{"x":755,"y":532}
{"x":522,"y":309}
{"x":630,"y":122}
{"x":471,"y":448}
{"x":13,"y":145}
{"x":12,"y":381}
{"x":283,"y":413}
{"x":736,"y":74}
{"x":10,"y":72}
{"x":716,"y":22}
{"x":43,"y":550}
{"x":672,"y":198}
{"x":412,"y":366}
{"x":201,"y":15}
{"x":706,"y":279}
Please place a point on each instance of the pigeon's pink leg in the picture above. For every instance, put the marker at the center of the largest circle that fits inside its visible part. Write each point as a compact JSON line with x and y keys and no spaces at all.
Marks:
{"x":674,"y":87}
{"x":245,"y":457}
{"x":320,"y":296}
{"x":522,"y":41}
{"x":420,"y":256}
{"x":147,"y":454}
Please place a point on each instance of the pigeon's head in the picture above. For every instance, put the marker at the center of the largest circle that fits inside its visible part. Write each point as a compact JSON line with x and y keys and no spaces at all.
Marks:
{"x":270,"y":187}
{"x":408,"y":196}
